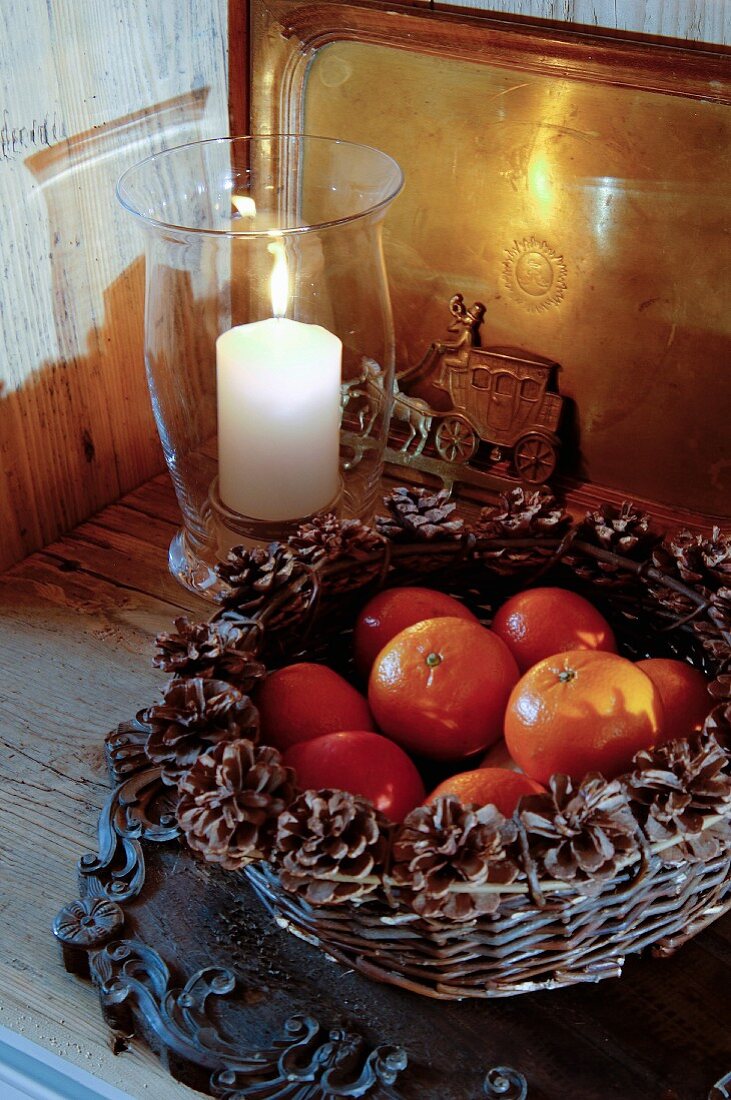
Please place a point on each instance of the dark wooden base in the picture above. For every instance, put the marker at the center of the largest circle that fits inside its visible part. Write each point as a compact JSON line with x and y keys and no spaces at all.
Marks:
{"x":155,"y":921}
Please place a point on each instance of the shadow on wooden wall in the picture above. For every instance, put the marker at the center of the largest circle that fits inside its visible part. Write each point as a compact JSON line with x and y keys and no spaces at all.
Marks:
{"x":62,"y":430}
{"x":76,"y":431}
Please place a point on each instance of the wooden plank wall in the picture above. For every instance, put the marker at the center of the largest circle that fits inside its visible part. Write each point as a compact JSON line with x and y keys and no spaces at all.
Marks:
{"x":87,"y":87}
{"x":694,"y":20}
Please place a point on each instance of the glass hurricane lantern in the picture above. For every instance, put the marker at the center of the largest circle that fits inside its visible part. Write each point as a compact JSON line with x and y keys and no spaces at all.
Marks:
{"x":268,"y":334}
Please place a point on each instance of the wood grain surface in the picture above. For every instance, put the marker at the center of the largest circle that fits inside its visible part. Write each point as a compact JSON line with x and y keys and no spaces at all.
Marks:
{"x":86,"y":89}
{"x":77,"y":624}
{"x":658,"y":1033}
{"x":694,"y":20}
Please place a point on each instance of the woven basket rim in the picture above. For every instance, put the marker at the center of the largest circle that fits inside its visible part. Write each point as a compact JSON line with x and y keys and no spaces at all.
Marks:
{"x":547,"y":885}
{"x":308,"y":577}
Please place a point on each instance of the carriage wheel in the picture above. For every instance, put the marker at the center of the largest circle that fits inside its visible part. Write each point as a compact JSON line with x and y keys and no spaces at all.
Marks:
{"x":455,"y":439}
{"x":534,"y":458}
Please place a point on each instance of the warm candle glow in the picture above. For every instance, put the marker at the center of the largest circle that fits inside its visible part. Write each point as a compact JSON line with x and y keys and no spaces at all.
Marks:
{"x":245,"y":205}
{"x":279,"y":281}
{"x":278,"y":410}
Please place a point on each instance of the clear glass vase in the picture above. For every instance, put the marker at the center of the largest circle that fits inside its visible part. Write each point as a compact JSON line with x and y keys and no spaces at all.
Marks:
{"x":268,"y":334}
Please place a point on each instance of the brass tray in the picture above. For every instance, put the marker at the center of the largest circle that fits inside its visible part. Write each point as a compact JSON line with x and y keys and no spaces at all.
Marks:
{"x":574,"y":183}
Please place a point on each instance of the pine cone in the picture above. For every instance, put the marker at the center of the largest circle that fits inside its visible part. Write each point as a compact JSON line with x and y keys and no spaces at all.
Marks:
{"x":702,"y":562}
{"x":714,"y":642}
{"x":619,"y":530}
{"x":674,"y":788}
{"x":720,"y":688}
{"x":216,"y":651}
{"x":325,"y":834}
{"x":328,"y":537}
{"x":720,"y":612}
{"x":718,"y":722}
{"x":418,"y":514}
{"x":254,"y":574}
{"x":522,"y":514}
{"x":579,"y":834}
{"x":193,"y":715}
{"x":445,"y":844}
{"x":230,"y":801}
{"x":714,"y":632}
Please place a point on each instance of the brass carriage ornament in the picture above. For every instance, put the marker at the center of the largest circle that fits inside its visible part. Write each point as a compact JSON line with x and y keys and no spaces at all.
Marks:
{"x":464,"y":409}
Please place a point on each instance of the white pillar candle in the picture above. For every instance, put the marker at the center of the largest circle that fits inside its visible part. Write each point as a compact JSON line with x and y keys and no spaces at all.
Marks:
{"x":278,"y":418}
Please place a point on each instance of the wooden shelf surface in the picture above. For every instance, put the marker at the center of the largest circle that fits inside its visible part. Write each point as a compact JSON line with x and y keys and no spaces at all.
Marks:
{"x":77,"y":626}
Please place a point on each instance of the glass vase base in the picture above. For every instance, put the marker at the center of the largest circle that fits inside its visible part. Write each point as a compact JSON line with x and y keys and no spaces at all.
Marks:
{"x":192,"y":571}
{"x":234,"y":529}
{"x":193,"y":564}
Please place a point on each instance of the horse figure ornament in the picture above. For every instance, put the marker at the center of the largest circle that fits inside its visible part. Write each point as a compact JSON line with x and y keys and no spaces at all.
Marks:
{"x":416,"y":413}
{"x":504,"y":408}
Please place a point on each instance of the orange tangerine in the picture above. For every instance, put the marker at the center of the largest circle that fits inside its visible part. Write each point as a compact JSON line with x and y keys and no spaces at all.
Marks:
{"x":439,"y":688}
{"x":581,"y":711}
{"x":684,"y":693}
{"x":363,"y":763}
{"x":542,"y":621}
{"x":302,"y":701}
{"x":391,"y":611}
{"x":497,"y":786}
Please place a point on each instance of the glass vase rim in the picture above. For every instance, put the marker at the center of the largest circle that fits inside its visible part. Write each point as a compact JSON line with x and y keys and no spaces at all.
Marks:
{"x":157,"y":223}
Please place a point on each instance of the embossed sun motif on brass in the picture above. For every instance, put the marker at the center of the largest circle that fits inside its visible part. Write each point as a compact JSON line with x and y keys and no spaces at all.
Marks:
{"x":534,"y":274}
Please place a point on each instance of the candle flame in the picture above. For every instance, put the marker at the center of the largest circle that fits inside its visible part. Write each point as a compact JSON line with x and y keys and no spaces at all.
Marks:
{"x":279,"y":281}
{"x":245,"y":205}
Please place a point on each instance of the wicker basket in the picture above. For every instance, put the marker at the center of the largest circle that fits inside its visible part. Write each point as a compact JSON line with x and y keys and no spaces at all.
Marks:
{"x":525,"y":946}
{"x":662,"y":597}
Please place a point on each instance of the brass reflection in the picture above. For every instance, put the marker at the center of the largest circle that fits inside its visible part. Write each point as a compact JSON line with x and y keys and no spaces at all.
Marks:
{"x":593,"y":222}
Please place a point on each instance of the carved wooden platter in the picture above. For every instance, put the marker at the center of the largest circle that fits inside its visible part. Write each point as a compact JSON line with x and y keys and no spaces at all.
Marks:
{"x":187,"y":959}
